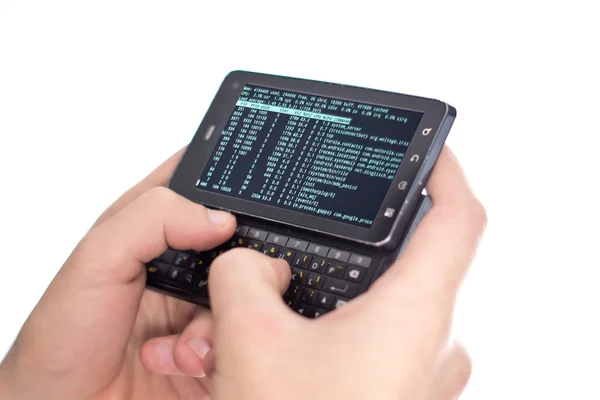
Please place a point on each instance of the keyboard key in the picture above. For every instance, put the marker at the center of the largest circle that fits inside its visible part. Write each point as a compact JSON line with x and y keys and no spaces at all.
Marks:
{"x":297,"y":244}
{"x":315,"y":280}
{"x":317,"y":313}
{"x":201,"y":287}
{"x":174,"y":273}
{"x":302,"y":309}
{"x":355,"y":274}
{"x":200,"y":264}
{"x":202,"y":272}
{"x":286,"y":254}
{"x":308,"y":296}
{"x":360,"y":261}
{"x":318,"y":249}
{"x":336,"y":269}
{"x":232,"y":243}
{"x":240,"y":242}
{"x":318,"y":264}
{"x":214,"y":254}
{"x":182,"y":260}
{"x":299,"y":276}
{"x":302,"y":260}
{"x":340,"y":302}
{"x":242,"y":230}
{"x":191,"y":262}
{"x":168,"y":256}
{"x":158,"y":269}
{"x":257,"y":234}
{"x":187,"y":279}
{"x":324,"y":300}
{"x":291,"y":294}
{"x":270,"y":250}
{"x":339,"y":287}
{"x":276,"y":238}
{"x":254,"y":244}
{"x":220,"y":250}
{"x":338,"y":255}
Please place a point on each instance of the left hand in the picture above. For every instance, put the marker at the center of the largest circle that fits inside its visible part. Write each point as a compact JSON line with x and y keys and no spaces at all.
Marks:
{"x":83,"y":338}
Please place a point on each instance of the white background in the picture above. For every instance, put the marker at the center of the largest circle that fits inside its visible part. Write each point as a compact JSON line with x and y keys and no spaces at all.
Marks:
{"x":93,"y":95}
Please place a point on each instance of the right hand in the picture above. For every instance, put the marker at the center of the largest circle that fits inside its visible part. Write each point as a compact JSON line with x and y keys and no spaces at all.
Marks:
{"x":389,"y":343}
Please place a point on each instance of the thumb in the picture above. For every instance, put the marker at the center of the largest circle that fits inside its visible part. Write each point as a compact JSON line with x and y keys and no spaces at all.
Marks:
{"x":245,"y":284}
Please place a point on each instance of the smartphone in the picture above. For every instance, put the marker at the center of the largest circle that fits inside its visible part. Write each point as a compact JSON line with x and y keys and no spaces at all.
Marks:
{"x":328,"y":177}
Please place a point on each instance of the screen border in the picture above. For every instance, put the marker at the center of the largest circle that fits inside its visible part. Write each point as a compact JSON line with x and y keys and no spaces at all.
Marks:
{"x":412,"y":170}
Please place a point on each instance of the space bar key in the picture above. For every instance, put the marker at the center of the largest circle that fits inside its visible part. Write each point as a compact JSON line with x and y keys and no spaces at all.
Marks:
{"x":343,"y":288}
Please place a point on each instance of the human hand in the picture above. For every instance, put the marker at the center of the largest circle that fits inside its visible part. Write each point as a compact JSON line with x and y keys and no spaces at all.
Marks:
{"x":83,"y":338}
{"x":389,"y":343}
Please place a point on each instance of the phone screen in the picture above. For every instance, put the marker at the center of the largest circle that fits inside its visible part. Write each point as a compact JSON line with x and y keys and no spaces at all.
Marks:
{"x":317,"y":155}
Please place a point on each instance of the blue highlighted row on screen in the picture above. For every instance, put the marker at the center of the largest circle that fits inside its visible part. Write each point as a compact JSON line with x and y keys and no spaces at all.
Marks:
{"x":291,"y":111}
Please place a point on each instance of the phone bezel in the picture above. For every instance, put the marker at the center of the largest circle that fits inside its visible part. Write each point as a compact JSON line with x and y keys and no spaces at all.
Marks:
{"x":426,"y":148}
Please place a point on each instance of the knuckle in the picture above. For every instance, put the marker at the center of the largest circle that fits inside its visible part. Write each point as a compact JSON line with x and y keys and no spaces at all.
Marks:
{"x":463,"y":368}
{"x":234,"y":259}
{"x":479,"y":217}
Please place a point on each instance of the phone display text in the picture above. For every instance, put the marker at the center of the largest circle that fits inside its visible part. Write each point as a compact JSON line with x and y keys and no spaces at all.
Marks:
{"x":312,"y":154}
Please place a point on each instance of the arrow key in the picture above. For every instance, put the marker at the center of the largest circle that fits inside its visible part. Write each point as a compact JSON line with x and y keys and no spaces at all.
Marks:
{"x":317,"y":313}
{"x":324,"y":300}
{"x":339,"y":287}
{"x":303,"y":309}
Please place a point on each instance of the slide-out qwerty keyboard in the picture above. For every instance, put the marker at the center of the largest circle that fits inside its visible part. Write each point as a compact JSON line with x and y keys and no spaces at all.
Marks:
{"x":323,"y":278}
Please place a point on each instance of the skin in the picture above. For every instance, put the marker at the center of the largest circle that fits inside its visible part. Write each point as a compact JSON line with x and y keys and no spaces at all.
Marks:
{"x":97,"y":334}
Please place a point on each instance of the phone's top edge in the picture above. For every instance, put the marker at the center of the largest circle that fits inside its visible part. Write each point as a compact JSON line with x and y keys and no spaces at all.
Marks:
{"x":450,"y":110}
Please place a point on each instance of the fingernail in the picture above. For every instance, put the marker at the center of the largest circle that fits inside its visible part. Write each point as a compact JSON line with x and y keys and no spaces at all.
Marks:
{"x":209,"y":362}
{"x":218,"y":217}
{"x":199,"y":346}
{"x":163,"y":355}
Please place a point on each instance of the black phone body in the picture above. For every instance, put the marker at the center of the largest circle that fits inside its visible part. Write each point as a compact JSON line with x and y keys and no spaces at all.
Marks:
{"x":327,"y":176}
